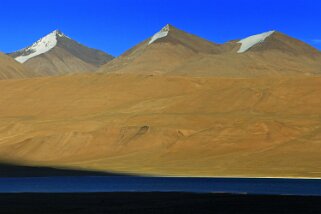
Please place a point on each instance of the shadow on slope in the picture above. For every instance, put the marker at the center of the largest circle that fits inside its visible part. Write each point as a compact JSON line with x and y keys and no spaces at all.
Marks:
{"x":13,"y":170}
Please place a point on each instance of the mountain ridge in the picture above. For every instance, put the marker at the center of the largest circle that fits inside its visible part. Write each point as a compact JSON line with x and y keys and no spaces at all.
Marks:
{"x":173,"y":51}
{"x":277,"y":40}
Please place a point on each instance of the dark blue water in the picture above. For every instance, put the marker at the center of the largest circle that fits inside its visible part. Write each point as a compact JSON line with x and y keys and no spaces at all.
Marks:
{"x":150,"y":184}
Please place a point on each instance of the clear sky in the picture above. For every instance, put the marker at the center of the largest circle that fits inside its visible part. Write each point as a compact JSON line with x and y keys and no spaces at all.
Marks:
{"x":115,"y":26}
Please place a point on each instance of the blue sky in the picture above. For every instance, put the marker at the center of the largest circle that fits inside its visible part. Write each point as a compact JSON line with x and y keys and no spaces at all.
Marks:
{"x":115,"y":26}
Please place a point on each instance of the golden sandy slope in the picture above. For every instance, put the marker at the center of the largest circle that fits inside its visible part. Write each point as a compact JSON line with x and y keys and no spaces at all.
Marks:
{"x":164,"y":125}
{"x":9,"y":68}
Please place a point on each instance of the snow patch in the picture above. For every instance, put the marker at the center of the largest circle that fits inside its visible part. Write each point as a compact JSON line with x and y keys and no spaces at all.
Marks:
{"x":42,"y":46}
{"x":251,"y":41}
{"x":161,"y":34}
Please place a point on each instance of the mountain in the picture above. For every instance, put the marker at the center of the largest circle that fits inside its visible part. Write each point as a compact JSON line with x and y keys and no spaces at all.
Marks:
{"x":57,"y":54}
{"x":267,"y":54}
{"x":167,"y":49}
{"x":10,"y":69}
{"x":277,"y":41}
{"x":245,"y":108}
{"x":176,"y":52}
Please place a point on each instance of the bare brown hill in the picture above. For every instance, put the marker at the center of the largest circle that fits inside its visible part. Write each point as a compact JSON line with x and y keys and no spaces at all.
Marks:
{"x":10,"y":69}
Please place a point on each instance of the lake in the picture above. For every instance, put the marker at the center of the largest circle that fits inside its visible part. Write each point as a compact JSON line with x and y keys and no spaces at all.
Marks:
{"x":74,"y":184}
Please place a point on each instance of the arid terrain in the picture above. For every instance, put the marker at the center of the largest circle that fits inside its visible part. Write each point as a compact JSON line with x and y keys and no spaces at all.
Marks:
{"x":164,"y":125}
{"x":174,"y":105}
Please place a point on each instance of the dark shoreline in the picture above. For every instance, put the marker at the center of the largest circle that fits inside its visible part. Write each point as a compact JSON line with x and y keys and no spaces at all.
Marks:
{"x":155,"y":202}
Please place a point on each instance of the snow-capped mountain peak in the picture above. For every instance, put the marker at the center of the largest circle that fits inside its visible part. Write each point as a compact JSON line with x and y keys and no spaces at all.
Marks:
{"x":161,"y":34}
{"x":43,"y":45}
{"x":251,"y":41}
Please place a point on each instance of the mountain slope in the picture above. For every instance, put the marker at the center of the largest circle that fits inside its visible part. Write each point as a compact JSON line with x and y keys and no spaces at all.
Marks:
{"x":57,"y":54}
{"x":10,"y":69}
{"x":268,"y":54}
{"x":163,"y":52}
{"x":175,"y":52}
{"x":277,"y":41}
{"x":164,"y":125}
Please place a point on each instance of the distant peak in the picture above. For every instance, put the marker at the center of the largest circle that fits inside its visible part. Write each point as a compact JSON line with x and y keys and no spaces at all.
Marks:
{"x":59,"y":33}
{"x":161,"y":34}
{"x":43,"y":45}
{"x":166,"y":27}
{"x":251,"y":41}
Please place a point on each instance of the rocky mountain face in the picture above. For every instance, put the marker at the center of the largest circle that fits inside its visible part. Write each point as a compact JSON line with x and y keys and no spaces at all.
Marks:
{"x":163,"y":52}
{"x":173,"y":51}
{"x":57,"y":54}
